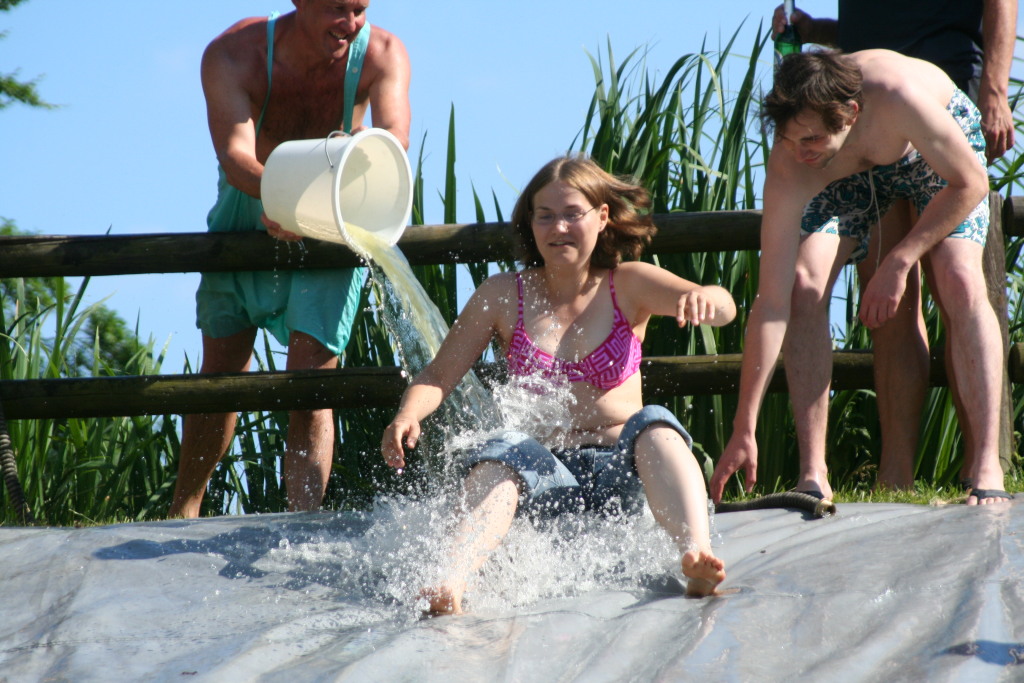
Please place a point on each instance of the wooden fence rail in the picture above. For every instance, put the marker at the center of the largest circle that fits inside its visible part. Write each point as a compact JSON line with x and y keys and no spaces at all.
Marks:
{"x":55,"y":255}
{"x":41,"y":256}
{"x":374,"y":387}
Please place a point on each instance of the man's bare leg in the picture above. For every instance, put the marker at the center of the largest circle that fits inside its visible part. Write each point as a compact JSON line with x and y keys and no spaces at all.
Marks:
{"x":901,"y":358}
{"x":976,"y":347}
{"x":205,"y":437}
{"x":809,"y":341}
{"x":491,"y":493}
{"x":954,"y":391}
{"x":674,"y":484}
{"x":309,"y":452}
{"x":901,"y":364}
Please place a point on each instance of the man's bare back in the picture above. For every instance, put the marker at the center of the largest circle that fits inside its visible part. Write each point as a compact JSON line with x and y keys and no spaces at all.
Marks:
{"x":898,"y":92}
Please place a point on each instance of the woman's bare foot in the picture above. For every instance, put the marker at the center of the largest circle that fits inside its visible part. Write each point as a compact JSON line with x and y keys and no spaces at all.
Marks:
{"x":443,"y":600}
{"x":704,"y":572}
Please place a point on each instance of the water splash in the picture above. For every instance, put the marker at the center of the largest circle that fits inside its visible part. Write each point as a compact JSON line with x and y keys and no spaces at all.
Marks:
{"x":401,"y":545}
{"x":541,"y":408}
{"x":416,"y":325}
{"x":417,"y":329}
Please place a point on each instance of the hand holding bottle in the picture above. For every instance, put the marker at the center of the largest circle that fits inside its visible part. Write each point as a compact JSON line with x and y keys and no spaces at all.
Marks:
{"x":787,"y":39}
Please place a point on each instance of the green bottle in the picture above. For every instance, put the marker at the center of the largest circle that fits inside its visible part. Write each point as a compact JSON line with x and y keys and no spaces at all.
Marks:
{"x":787,"y":42}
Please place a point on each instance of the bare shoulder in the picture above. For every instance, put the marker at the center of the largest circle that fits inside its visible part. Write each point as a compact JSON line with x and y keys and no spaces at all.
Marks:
{"x":891,"y":79}
{"x":493,"y":305}
{"x":495,"y":294}
{"x":630,"y":273}
{"x":498,"y":288}
{"x":240,"y":49}
{"x":384,"y":39}
{"x":386,"y":50}
{"x":788,"y":184}
{"x":637,"y":280}
{"x":244,"y":35}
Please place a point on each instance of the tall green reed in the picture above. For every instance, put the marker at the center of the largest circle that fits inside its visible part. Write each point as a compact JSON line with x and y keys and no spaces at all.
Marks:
{"x":77,"y":470}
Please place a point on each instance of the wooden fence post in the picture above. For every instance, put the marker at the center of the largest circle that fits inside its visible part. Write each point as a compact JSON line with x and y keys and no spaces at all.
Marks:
{"x":994,"y":263}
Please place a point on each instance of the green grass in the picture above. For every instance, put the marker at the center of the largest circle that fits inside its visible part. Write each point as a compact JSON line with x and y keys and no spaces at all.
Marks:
{"x":923,"y":493}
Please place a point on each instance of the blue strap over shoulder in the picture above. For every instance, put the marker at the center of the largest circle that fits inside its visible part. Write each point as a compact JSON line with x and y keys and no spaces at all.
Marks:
{"x":354,"y":69}
{"x":271,"y":20}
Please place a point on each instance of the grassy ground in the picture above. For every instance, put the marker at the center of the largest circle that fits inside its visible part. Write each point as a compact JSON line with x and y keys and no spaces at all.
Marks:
{"x":923,"y":493}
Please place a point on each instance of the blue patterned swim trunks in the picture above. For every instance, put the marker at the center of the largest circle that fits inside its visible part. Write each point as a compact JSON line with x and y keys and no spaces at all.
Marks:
{"x":849,"y":206}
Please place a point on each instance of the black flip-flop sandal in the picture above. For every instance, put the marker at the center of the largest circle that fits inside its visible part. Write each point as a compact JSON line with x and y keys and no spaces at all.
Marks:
{"x":983,"y":494}
{"x":815,"y":493}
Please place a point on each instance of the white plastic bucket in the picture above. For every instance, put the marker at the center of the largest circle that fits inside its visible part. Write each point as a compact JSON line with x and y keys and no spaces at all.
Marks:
{"x":321,"y":188}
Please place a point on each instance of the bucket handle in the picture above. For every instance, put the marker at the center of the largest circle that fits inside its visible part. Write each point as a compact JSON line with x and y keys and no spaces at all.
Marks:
{"x":330,"y":135}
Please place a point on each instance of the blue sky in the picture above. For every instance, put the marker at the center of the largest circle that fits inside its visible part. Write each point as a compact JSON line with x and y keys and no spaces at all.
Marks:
{"x":129,"y":151}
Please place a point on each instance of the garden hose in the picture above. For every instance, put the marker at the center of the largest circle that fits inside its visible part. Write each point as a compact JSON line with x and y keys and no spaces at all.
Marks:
{"x":787,"y":499}
{"x":9,"y":468}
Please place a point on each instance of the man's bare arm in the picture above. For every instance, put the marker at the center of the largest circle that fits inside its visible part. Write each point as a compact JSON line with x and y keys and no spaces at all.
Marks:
{"x":943,"y":145}
{"x":229,"y":113}
{"x":780,"y":241}
{"x":999,"y":29}
{"x":389,"y":92}
{"x":786,"y":192}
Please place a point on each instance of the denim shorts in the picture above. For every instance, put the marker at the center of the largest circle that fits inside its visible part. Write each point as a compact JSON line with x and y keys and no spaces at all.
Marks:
{"x":850,"y":206}
{"x":573,"y":479}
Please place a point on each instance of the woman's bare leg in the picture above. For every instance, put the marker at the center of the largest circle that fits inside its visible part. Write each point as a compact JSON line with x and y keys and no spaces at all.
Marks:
{"x":491,"y":498}
{"x":674,"y":484}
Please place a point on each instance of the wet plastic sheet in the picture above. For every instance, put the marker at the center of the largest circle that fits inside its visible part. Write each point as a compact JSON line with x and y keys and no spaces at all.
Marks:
{"x":879,"y":592}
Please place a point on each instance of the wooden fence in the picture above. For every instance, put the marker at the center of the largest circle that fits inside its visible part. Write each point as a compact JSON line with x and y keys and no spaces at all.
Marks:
{"x":42,"y":256}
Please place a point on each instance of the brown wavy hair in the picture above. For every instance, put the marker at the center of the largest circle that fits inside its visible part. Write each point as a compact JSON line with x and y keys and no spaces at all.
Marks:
{"x":630,"y":224}
{"x":820,"y":81}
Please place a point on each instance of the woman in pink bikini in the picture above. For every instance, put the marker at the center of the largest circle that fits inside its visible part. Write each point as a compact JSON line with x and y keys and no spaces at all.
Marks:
{"x":574,"y":316}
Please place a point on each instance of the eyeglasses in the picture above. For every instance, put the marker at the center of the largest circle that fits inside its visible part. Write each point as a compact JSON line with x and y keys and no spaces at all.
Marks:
{"x":551,"y":218}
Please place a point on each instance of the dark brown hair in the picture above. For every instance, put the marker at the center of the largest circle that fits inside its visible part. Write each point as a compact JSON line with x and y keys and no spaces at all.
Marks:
{"x":822,"y":82}
{"x":630,"y":225}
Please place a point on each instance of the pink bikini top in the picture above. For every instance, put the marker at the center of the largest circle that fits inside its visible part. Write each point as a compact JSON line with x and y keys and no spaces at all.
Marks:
{"x":606,"y":367}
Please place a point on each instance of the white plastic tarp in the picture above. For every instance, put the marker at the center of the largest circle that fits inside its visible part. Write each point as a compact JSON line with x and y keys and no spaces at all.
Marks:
{"x":876,"y":593}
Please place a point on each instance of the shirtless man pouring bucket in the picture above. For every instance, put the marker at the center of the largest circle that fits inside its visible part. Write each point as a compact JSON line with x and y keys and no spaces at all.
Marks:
{"x":299,"y":76}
